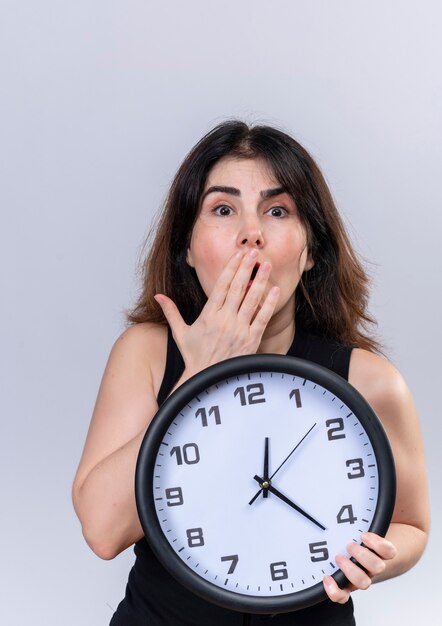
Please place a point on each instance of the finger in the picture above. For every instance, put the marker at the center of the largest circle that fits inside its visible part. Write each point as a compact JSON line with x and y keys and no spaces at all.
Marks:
{"x":368,"y":559}
{"x":221,"y":287}
{"x":354,"y":574}
{"x":334,"y":592}
{"x":259,"y":324}
{"x":172,"y":315}
{"x":240,"y":281}
{"x":254,"y":295}
{"x":384,"y":548}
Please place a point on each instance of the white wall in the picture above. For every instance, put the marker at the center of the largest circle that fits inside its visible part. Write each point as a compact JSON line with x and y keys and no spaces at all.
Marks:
{"x":99,"y":103}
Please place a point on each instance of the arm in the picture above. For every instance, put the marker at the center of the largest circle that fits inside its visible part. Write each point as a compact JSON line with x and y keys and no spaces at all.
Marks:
{"x":384,"y":388}
{"x":103,"y":490}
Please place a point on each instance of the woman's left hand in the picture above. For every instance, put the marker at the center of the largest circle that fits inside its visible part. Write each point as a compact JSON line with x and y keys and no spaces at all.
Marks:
{"x":370,"y":559}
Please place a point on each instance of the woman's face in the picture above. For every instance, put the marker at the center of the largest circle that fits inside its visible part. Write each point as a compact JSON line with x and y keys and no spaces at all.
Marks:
{"x":244,"y":207}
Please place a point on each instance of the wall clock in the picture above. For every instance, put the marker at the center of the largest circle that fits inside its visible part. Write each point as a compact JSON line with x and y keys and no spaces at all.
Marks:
{"x":255,"y":473}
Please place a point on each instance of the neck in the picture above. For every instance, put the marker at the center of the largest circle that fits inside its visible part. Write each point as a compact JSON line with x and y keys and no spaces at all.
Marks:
{"x":279,"y":334}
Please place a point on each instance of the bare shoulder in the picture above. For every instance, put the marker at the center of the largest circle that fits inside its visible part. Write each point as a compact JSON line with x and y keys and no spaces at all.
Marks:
{"x":381,"y":384}
{"x":142,"y":348}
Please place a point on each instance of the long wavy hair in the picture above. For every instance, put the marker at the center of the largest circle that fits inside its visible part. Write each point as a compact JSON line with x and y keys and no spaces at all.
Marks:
{"x":331,"y":299}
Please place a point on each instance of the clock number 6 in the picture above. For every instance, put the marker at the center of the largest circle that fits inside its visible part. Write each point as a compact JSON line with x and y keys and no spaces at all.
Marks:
{"x":279,"y":570}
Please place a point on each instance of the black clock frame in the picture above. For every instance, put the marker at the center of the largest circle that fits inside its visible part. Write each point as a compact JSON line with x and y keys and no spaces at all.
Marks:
{"x":172,"y":407}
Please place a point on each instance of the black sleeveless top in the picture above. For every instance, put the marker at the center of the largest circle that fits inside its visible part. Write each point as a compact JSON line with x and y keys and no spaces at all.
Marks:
{"x":155,"y":598}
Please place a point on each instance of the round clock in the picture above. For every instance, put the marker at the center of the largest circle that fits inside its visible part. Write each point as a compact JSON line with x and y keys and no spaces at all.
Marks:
{"x":255,"y":473}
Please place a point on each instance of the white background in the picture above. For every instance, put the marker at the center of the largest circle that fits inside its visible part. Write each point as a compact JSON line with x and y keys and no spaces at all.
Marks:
{"x":99,"y":102}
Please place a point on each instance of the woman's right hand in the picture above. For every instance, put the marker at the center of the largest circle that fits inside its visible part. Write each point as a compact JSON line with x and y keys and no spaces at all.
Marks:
{"x":233,"y":319}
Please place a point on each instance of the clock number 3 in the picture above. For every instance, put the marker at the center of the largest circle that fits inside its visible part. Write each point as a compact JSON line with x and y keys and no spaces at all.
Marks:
{"x":357,"y":467}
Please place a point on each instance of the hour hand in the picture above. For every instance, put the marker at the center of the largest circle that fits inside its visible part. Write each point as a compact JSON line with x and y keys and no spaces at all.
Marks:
{"x":284,"y":498}
{"x":265,"y":492}
{"x":266,"y":479}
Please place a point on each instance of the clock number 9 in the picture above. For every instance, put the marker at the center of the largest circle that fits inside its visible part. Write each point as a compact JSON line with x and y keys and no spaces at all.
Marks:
{"x":174,"y":496}
{"x":319,"y":550}
{"x":358,"y":468}
{"x":253,"y":397}
{"x":279,"y":570}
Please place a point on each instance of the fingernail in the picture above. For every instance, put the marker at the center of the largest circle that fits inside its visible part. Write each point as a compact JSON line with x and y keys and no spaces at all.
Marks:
{"x":253,"y":253}
{"x":265,"y":267}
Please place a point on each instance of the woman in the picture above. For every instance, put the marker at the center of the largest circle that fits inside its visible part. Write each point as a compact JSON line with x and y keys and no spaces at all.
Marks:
{"x":250,"y":256}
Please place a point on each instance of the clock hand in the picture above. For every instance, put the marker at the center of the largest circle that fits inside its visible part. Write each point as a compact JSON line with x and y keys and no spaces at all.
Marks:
{"x":284,"y":498}
{"x":266,"y":479}
{"x":297,"y":446}
{"x":265,"y":492}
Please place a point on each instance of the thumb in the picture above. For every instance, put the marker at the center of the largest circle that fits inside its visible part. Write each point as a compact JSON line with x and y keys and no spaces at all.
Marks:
{"x":172,"y":315}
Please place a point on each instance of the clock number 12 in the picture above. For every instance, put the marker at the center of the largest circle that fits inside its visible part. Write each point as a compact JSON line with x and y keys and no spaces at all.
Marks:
{"x":255,"y":394}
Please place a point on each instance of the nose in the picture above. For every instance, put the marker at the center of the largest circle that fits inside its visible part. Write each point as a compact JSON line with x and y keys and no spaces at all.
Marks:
{"x":250,"y":234}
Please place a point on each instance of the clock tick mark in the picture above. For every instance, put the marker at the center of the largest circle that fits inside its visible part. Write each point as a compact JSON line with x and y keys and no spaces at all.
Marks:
{"x":365,"y":520}
{"x":349,"y":415}
{"x":305,"y":380}
{"x":181,"y":549}
{"x":226,"y":581}
{"x":333,"y":565}
{"x":281,"y":587}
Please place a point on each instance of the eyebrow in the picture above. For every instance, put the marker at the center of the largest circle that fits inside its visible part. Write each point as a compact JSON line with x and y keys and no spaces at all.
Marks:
{"x":233,"y":191}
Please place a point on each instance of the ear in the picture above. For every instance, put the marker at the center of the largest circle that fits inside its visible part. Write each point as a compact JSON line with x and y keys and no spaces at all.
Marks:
{"x":189,"y":258}
{"x":309,"y":263}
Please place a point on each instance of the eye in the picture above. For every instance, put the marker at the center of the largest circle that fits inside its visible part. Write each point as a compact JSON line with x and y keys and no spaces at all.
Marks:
{"x":277,"y":211}
{"x":223,"y":210}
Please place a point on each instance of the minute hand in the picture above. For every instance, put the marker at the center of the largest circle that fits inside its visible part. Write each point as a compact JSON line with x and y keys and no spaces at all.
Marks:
{"x":284,"y":498}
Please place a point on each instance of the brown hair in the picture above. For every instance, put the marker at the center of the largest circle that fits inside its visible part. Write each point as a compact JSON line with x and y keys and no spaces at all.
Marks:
{"x":332,"y":297}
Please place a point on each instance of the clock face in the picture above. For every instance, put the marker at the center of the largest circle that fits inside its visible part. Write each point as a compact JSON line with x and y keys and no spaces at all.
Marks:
{"x":255,"y":474}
